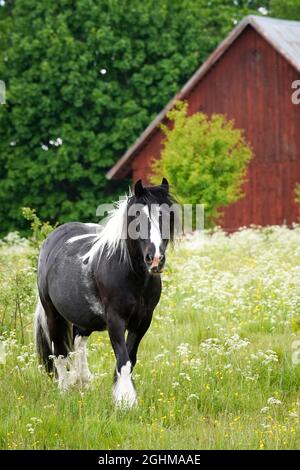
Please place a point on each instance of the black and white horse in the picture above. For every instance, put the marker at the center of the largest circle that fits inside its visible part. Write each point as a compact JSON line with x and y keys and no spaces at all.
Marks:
{"x":93,"y":277}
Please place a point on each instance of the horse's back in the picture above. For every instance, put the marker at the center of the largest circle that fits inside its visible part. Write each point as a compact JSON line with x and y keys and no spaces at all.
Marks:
{"x":66,"y":232}
{"x":63,"y":279}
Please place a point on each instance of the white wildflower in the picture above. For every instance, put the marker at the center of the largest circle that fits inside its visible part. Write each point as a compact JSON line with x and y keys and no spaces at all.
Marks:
{"x":159,"y":356}
{"x":30,"y":428}
{"x":185,"y":376}
{"x":195,"y":363}
{"x":193,"y":396}
{"x":265,"y":409}
{"x":274,"y":401}
{"x":36,"y":420}
{"x":183,"y":349}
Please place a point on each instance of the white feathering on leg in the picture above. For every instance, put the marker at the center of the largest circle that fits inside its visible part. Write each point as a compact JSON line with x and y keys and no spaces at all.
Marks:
{"x":66,"y":378}
{"x":81,"y":364}
{"x":124,"y":391}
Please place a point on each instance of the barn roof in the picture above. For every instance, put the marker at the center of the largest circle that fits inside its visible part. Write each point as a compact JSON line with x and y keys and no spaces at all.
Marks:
{"x":283,"y":35}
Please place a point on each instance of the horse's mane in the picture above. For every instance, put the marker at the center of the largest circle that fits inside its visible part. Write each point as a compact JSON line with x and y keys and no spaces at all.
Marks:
{"x":113,"y":234}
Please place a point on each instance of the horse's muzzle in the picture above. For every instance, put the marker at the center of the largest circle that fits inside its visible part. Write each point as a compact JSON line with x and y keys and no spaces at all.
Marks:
{"x":157,"y":265}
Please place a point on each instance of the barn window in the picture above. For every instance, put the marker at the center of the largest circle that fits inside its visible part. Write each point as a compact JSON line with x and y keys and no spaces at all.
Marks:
{"x":256,"y":54}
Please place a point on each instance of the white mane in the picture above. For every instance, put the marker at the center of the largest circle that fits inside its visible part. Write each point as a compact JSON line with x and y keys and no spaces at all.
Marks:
{"x":112,"y":234}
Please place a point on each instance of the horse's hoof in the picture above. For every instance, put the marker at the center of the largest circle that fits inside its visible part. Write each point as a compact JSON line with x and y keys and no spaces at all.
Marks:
{"x":126,"y":404}
{"x":87,"y":378}
{"x":125,"y":400}
{"x":68,"y":381}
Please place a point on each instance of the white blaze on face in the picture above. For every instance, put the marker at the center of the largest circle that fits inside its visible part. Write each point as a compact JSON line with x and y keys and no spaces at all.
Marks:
{"x":155,"y":235}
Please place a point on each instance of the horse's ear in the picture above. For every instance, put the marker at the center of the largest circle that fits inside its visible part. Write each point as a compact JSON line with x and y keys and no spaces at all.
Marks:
{"x":138,"y":188}
{"x":165,"y":183}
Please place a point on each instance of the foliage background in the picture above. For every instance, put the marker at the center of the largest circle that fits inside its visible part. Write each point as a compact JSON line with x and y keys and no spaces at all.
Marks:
{"x":93,"y":74}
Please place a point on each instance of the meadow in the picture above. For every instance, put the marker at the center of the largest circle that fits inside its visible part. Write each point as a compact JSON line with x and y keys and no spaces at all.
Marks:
{"x":218,"y":368}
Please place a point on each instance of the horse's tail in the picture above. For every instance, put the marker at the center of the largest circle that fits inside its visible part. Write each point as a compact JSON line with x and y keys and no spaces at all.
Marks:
{"x":42,"y":337}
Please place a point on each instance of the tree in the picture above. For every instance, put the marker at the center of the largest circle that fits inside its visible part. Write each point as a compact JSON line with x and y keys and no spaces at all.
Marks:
{"x":288,"y":9}
{"x":205,"y":159}
{"x":83,"y":80}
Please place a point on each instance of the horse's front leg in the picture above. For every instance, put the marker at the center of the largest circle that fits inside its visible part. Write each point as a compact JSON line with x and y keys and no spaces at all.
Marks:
{"x":123,"y":391}
{"x":135,"y":336}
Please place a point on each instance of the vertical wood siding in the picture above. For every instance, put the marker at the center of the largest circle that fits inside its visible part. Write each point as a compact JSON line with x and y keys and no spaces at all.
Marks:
{"x":251,"y":84}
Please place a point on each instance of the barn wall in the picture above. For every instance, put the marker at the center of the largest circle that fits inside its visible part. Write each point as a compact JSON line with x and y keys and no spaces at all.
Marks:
{"x":251,"y":84}
{"x":142,"y":162}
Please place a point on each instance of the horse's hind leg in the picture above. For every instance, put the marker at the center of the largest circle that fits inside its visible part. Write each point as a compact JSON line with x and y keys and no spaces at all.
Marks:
{"x":61,"y":343}
{"x":42,"y":340}
{"x":80,"y":355}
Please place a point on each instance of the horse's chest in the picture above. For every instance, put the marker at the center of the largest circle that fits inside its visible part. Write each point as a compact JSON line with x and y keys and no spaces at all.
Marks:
{"x":140,"y":307}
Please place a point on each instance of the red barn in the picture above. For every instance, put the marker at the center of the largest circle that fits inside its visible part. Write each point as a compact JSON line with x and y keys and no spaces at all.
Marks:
{"x":249,"y":78}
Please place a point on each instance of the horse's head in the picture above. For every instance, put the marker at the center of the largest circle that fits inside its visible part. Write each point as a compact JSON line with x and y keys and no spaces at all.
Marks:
{"x":151,"y":222}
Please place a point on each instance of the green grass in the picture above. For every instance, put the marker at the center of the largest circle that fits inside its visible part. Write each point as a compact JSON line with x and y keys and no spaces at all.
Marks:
{"x":215,"y":370}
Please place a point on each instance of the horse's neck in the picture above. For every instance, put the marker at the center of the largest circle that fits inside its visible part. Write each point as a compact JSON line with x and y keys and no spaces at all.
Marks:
{"x":136,"y":258}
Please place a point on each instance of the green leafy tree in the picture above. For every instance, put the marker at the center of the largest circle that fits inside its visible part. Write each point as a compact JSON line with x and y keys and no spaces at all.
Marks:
{"x":287,"y":9}
{"x":83,"y":79}
{"x":204,"y":159}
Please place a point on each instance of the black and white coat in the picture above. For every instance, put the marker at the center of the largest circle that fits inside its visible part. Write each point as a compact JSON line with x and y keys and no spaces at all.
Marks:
{"x":92,"y":278}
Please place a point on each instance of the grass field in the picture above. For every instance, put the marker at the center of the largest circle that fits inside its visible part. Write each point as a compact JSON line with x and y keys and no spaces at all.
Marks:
{"x":217,"y":369}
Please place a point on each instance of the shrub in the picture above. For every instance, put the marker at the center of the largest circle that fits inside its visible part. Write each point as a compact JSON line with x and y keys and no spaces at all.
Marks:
{"x":40,"y":230}
{"x":205,"y":159}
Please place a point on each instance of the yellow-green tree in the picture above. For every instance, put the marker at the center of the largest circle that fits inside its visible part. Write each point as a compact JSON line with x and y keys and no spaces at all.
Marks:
{"x":205,"y":160}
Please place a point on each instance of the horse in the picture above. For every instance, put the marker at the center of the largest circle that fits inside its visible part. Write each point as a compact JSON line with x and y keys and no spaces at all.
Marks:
{"x":96,"y":277}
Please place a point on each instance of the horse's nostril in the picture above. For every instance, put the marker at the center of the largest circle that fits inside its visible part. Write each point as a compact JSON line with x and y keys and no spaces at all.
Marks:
{"x":148,"y":258}
{"x":162,"y":258}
